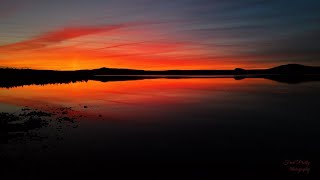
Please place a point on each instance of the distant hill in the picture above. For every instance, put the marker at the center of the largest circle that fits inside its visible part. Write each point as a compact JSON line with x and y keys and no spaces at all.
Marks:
{"x":294,"y":69}
{"x":283,"y":69}
{"x":290,"y":73}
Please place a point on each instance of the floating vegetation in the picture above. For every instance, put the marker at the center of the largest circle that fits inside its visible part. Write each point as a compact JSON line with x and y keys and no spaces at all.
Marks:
{"x":29,"y":121}
{"x":36,"y":114}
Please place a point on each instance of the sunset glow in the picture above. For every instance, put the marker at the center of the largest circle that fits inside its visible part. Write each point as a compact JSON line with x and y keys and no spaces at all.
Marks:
{"x":157,"y":39}
{"x":159,"y":89}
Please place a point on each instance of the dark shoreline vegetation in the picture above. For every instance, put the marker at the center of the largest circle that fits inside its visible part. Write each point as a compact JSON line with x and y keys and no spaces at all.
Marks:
{"x":290,"y":73}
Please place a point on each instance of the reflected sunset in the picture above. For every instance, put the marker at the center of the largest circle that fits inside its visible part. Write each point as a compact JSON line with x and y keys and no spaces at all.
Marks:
{"x":130,"y":98}
{"x":167,"y":89}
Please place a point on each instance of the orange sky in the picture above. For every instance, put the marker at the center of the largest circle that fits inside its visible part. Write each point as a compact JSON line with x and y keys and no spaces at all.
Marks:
{"x":116,"y":46}
{"x":158,"y":35}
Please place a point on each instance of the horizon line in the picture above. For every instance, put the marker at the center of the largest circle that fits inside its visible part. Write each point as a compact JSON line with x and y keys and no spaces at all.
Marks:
{"x":26,"y":68}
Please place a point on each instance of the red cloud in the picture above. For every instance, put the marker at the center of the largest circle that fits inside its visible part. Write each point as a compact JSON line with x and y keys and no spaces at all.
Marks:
{"x":59,"y":36}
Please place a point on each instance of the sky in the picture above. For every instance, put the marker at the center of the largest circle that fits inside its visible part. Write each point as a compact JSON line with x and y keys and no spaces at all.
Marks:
{"x":158,"y":35}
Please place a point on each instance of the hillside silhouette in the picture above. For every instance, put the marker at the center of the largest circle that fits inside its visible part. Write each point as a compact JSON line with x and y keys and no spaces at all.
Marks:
{"x":290,"y":73}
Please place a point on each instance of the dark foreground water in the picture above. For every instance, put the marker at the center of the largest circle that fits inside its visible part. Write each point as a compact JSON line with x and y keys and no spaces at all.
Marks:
{"x":200,"y":128}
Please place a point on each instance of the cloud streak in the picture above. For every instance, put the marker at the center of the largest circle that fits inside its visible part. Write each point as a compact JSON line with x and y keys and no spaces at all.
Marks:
{"x":61,"y":35}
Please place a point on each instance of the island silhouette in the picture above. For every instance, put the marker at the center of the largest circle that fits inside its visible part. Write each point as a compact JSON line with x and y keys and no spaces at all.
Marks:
{"x":290,"y":73}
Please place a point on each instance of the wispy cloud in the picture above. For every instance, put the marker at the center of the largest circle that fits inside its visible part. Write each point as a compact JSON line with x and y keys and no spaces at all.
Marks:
{"x":60,"y":35}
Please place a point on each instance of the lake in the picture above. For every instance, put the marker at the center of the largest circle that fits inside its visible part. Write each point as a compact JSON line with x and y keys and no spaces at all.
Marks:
{"x":200,"y":128}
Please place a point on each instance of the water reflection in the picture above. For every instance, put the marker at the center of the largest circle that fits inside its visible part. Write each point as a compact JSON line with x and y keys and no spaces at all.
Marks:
{"x":60,"y":78}
{"x":188,"y":127}
{"x":129,"y":100}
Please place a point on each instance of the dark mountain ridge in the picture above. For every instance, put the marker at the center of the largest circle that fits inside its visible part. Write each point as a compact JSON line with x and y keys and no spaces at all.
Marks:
{"x":283,"y":69}
{"x":294,"y":69}
{"x":290,"y":73}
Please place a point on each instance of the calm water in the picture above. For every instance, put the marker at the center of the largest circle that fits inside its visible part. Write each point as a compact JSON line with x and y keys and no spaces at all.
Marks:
{"x":196,"y":127}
